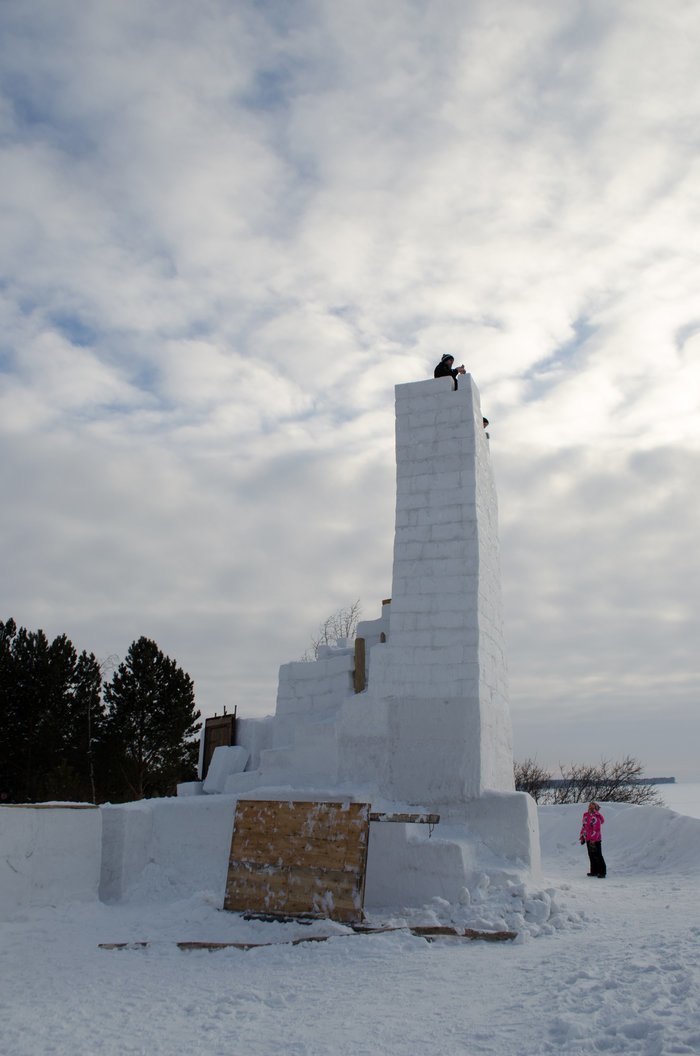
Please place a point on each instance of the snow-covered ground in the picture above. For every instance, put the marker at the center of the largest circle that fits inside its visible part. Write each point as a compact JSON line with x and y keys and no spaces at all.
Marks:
{"x":616,"y":972}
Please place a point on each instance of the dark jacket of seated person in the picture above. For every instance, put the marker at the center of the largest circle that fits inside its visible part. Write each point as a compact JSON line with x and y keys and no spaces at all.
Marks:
{"x":444,"y":369}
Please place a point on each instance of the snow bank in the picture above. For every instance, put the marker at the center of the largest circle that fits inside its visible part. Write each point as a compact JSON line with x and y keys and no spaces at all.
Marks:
{"x":640,"y":839}
{"x":50,"y":856}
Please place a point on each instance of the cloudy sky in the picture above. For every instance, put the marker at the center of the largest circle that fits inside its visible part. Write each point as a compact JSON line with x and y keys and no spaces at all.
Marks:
{"x":230,"y":227}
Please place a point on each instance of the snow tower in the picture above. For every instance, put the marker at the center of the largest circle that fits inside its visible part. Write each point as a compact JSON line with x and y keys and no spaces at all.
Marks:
{"x":413,"y":715}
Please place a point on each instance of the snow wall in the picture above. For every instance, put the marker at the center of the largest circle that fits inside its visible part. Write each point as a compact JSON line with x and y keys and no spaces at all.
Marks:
{"x":163,"y":850}
{"x":51,"y":855}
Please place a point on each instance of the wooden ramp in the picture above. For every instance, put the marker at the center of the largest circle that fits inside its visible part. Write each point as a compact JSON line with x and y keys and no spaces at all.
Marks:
{"x":298,"y":859}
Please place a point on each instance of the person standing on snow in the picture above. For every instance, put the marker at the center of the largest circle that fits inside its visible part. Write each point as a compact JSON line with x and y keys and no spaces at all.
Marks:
{"x":591,"y":836}
{"x":444,"y":369}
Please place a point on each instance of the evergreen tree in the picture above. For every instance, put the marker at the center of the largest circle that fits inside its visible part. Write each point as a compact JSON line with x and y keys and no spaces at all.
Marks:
{"x":150,"y":725}
{"x":51,"y":713}
{"x":84,"y":722}
{"x":9,"y":724}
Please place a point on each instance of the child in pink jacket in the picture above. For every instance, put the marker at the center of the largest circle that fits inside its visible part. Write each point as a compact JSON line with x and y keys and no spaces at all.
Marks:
{"x":590,"y":835}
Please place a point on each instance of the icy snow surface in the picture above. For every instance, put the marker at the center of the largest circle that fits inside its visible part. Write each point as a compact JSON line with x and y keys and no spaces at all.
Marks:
{"x":613,"y":969}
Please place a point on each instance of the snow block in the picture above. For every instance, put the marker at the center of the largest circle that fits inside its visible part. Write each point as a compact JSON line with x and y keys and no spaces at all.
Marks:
{"x":407,"y":865}
{"x":226,"y":760}
{"x":163,"y":849}
{"x":255,"y":735}
{"x":50,"y":856}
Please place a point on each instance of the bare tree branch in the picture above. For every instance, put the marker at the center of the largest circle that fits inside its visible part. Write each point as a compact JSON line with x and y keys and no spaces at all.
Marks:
{"x":341,"y":624}
{"x":620,"y":781}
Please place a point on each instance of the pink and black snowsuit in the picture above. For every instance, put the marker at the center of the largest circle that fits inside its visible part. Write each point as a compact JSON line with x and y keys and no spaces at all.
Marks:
{"x":593,"y":821}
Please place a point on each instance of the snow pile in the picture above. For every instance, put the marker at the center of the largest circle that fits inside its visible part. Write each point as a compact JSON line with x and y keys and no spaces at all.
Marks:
{"x":514,"y":907}
{"x":494,"y":905}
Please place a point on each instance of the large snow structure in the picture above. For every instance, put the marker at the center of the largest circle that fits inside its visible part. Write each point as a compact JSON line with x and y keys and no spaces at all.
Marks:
{"x":419,"y":726}
{"x":431,"y":730}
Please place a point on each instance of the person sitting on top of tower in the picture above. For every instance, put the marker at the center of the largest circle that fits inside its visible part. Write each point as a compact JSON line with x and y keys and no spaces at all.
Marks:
{"x":444,"y":369}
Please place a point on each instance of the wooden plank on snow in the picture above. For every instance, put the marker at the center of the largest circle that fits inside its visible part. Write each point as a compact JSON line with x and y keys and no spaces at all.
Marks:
{"x":51,"y":806}
{"x":429,"y":932}
{"x":405,"y":819}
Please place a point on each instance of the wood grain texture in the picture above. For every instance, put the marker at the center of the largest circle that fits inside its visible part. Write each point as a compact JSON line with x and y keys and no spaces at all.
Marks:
{"x":298,"y":859}
{"x":358,"y":677}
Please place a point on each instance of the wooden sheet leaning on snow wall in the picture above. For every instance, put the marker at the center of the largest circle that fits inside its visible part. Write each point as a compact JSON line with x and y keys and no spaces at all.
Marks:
{"x":298,"y":859}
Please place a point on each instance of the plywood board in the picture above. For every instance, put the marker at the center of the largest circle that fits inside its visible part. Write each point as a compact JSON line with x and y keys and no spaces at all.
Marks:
{"x":298,"y":859}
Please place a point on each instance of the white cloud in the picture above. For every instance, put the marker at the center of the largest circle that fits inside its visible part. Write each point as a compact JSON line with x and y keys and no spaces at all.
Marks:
{"x":229,"y":230}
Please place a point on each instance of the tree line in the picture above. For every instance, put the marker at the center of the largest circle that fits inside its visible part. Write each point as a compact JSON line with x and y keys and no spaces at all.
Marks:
{"x":68,"y":734}
{"x":620,"y":781}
